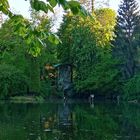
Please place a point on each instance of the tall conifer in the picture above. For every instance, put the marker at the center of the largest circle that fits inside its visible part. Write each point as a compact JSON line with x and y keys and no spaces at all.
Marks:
{"x":128,"y":21}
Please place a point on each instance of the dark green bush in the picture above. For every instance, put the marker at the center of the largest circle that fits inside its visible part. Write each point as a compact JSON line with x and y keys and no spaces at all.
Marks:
{"x":12,"y":81}
{"x":45,"y":88}
{"x":132,"y":88}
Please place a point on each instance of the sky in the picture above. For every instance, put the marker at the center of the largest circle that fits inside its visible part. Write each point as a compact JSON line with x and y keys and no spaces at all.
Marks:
{"x":23,"y":7}
{"x":20,"y":7}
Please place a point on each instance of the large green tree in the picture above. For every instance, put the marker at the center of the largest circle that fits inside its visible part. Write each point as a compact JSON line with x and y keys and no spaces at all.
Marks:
{"x":28,"y":32}
{"x":20,"y":70}
{"x":13,"y":63}
{"x":128,"y":22}
{"x":86,"y":45}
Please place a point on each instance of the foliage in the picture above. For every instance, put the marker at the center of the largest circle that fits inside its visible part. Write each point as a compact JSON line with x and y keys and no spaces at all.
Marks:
{"x":12,"y":81}
{"x":86,"y":45}
{"x":126,"y":37}
{"x":45,"y":88}
{"x":34,"y":75}
{"x":102,"y":77}
{"x":14,"y":53}
{"x":106,"y":17}
{"x":131,"y":88}
{"x":4,"y":7}
{"x":8,"y":40}
{"x":29,"y":32}
{"x":73,"y":25}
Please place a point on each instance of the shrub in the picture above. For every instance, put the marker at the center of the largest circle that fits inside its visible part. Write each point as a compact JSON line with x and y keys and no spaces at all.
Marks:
{"x":131,"y":88}
{"x":12,"y":81}
{"x":45,"y":88}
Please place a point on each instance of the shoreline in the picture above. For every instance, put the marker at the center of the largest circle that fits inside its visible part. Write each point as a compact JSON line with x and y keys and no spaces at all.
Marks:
{"x":39,"y":99}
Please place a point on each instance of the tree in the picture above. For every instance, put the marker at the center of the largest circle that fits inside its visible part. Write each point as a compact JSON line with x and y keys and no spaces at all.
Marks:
{"x":126,"y":36}
{"x":106,"y":17}
{"x":13,"y":63}
{"x":28,"y":32}
{"x":86,"y":45}
{"x":19,"y":67}
{"x":103,"y":28}
{"x":131,"y":88}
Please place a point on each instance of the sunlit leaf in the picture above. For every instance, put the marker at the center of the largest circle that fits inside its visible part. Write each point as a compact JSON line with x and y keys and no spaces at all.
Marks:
{"x":54,"y":39}
{"x":39,"y":5}
{"x":50,"y":8}
{"x":53,"y":3}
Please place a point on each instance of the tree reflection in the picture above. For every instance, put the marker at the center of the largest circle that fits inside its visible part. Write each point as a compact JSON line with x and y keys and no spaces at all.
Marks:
{"x":68,"y":121}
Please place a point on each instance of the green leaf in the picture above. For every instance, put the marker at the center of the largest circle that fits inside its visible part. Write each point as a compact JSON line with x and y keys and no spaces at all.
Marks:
{"x":50,"y":8}
{"x":64,"y":4}
{"x":75,"y":10}
{"x":74,"y":3}
{"x":53,"y":3}
{"x":54,"y":39}
{"x":35,"y":5}
{"x":39,"y":5}
{"x":84,"y":13}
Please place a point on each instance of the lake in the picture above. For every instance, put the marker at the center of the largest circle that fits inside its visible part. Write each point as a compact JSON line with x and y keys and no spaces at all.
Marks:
{"x":69,"y":121}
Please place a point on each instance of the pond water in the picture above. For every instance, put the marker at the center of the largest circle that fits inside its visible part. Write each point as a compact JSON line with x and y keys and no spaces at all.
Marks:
{"x":69,"y":121}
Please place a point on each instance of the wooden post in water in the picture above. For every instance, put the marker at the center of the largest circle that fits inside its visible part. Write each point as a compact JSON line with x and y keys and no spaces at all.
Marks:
{"x":91,"y":98}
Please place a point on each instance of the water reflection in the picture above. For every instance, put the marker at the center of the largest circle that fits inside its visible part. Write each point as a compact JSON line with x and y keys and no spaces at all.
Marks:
{"x":65,"y":115}
{"x":69,"y":121}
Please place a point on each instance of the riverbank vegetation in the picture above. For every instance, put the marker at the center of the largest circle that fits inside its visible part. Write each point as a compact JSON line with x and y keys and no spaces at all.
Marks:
{"x":101,"y":48}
